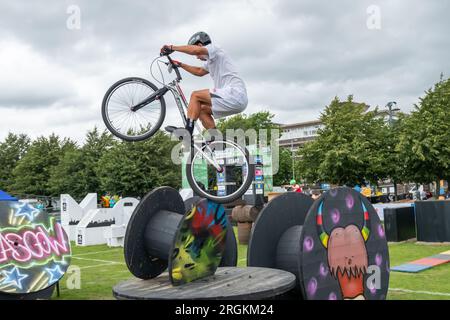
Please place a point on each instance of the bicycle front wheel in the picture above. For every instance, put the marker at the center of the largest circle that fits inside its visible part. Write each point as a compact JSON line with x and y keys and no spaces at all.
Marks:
{"x":220,"y":171}
{"x":125,"y":123}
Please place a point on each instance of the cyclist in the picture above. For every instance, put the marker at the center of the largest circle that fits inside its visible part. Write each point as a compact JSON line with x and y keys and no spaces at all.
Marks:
{"x":229,"y":95}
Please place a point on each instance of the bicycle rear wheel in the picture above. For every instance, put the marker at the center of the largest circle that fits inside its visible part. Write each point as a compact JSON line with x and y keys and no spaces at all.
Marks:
{"x":121,"y":120}
{"x":227,"y":184}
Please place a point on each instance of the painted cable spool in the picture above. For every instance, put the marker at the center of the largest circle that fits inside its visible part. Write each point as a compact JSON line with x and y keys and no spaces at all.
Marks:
{"x":335,"y":246}
{"x":161,"y":235}
{"x":35,"y":252}
{"x":230,"y":255}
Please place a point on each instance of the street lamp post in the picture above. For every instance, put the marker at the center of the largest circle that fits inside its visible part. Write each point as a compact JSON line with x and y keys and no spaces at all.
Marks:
{"x":292,"y":152}
{"x":391,"y":111}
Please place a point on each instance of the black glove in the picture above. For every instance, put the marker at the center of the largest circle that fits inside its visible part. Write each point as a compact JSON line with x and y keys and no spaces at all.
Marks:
{"x":166,"y":50}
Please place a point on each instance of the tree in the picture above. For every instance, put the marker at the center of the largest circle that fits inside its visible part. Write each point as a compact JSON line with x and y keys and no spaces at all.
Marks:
{"x":381,"y":158}
{"x":261,"y":121}
{"x":284,"y":174}
{"x":76,"y":171}
{"x":424,"y":139}
{"x":11,"y":151}
{"x":345,"y":151}
{"x":32,"y":173}
{"x":308,"y":159}
{"x":97,"y":144}
{"x":256,"y":121}
{"x":67,"y":175}
{"x":133,"y":169}
{"x":388,"y":162}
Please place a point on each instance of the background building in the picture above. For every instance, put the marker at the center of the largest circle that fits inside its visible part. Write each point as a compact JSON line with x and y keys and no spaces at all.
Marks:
{"x":296,"y":134}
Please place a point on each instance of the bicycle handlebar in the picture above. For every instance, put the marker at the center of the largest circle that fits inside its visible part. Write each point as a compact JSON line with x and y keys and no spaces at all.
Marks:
{"x":172,"y":64}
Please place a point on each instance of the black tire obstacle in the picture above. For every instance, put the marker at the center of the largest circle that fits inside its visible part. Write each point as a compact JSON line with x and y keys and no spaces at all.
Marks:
{"x":337,"y":250}
{"x":161,"y":235}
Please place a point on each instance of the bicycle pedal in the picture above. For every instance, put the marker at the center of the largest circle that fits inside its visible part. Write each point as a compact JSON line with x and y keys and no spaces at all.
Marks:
{"x":170,"y":129}
{"x":179,"y":135}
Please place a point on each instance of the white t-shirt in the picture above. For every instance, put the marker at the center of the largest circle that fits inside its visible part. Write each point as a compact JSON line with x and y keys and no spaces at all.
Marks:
{"x":223,"y":70}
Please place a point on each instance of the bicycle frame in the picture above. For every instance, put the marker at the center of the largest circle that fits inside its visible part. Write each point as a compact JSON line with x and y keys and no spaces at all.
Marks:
{"x":178,"y":95}
{"x":182,"y":104}
{"x":180,"y":100}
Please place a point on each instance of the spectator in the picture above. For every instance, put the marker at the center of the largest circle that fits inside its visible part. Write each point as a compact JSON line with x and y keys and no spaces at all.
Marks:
{"x":315,"y":195}
{"x":295,"y":186}
{"x":423,"y":195}
{"x":40,"y":205}
{"x":105,"y":201}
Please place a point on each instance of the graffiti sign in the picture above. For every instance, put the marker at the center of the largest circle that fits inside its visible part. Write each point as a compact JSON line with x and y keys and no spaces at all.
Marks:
{"x":34,"y":249}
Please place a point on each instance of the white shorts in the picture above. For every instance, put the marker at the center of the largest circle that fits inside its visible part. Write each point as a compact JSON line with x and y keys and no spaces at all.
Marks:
{"x":228,"y":101}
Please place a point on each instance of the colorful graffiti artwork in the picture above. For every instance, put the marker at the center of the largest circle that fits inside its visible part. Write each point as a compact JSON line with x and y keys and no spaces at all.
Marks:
{"x":199,"y":244}
{"x":345,"y":251}
{"x":34,"y":249}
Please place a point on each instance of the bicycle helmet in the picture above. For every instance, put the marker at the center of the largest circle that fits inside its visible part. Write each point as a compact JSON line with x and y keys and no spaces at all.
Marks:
{"x":200,"y":37}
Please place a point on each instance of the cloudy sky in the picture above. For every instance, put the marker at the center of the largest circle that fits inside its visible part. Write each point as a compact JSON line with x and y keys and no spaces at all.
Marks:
{"x":295,"y":55}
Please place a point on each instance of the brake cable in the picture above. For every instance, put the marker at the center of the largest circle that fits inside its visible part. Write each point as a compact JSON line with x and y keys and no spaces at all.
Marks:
{"x":160,"y":71}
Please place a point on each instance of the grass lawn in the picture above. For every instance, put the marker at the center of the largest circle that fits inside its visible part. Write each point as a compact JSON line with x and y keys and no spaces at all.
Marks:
{"x":102,"y":267}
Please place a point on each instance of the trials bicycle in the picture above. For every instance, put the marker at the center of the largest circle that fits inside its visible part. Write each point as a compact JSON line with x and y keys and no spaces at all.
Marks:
{"x":134,"y":109}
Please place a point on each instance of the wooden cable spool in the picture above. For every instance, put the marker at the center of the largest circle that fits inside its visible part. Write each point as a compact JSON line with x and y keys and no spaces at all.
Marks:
{"x":245,"y":213}
{"x":244,"y":230}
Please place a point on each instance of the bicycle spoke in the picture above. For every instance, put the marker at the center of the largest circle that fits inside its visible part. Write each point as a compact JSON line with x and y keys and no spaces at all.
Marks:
{"x":120,"y":115}
{"x":144,"y":114}
{"x":123,"y":102}
{"x":144,"y":117}
{"x":125,"y":121}
{"x":128,"y":92}
{"x":122,"y":95}
{"x":233,"y":176}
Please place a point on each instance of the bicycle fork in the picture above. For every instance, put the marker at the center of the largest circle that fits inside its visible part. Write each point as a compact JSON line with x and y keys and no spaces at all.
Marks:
{"x":212,"y":161}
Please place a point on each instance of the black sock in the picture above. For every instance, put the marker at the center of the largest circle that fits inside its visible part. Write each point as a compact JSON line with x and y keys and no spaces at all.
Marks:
{"x":190,"y":126}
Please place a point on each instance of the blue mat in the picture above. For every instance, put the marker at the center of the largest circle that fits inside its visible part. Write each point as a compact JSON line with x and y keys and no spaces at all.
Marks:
{"x":409,"y":267}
